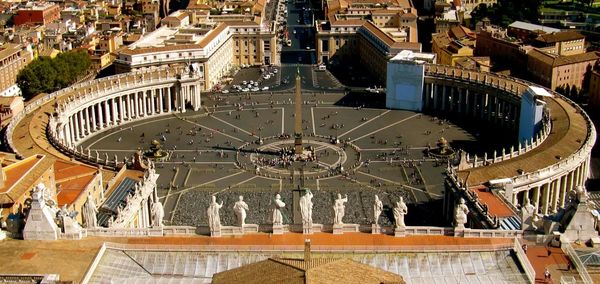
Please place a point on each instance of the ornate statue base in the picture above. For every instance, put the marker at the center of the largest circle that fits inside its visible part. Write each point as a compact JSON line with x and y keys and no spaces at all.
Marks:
{"x":232,"y":230}
{"x":400,"y":231}
{"x":375,"y":229}
{"x":280,"y":229}
{"x":459,"y":230}
{"x":236,"y":230}
{"x":339,"y":229}
{"x":215,"y":233}
{"x":309,"y":230}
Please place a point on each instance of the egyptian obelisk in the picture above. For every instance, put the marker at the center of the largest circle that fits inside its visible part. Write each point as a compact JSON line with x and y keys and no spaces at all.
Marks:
{"x":298,"y":117}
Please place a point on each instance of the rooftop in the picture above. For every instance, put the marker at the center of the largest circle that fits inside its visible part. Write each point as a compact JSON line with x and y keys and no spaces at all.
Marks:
{"x":315,"y":270}
{"x":532,"y":27}
{"x":20,"y":177}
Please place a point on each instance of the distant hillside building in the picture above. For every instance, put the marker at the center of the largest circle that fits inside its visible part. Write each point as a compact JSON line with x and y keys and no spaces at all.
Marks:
{"x":37,"y":14}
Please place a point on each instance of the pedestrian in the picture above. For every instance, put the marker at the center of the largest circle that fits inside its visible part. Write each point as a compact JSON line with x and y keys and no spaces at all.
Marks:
{"x":547,"y":276}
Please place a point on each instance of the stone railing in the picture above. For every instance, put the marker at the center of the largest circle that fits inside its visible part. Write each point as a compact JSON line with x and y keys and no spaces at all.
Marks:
{"x":126,"y":232}
{"x":522,"y":257}
{"x":470,"y":197}
{"x":511,"y":152}
{"x":144,"y":190}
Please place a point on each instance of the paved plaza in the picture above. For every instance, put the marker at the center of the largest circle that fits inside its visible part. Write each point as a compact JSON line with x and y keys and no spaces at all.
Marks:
{"x":218,"y":150}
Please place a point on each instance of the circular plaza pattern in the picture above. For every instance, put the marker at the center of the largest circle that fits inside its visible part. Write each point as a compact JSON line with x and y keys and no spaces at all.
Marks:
{"x":217,"y":150}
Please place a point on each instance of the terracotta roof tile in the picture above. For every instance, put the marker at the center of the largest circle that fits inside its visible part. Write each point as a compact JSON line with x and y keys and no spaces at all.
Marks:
{"x":71,"y":189}
{"x":65,"y":169}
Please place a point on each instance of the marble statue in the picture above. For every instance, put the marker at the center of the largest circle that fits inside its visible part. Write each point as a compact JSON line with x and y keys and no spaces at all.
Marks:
{"x":460,"y":213}
{"x":277,"y":206}
{"x":377,"y":209}
{"x":90,"y":212}
{"x":339,"y":209}
{"x":158,"y":214}
{"x":306,"y":206}
{"x":240,"y":208}
{"x":399,"y":212}
{"x":67,"y":220}
{"x":528,"y":208}
{"x":214,"y":221}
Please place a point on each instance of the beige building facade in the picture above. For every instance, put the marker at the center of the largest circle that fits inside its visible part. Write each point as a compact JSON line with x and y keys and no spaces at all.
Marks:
{"x":555,"y":71}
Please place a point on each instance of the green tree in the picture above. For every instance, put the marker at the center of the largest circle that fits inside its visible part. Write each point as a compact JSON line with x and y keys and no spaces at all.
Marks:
{"x":44,"y":75}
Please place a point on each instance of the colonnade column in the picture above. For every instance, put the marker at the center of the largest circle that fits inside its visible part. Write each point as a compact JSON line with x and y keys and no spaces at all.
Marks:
{"x":556,"y":192}
{"x":545,"y":197}
{"x":161,"y":92}
{"x":87,"y":121}
{"x":107,"y":105}
{"x":100,"y":116}
{"x":129,"y":107}
{"x":114,"y":110}
{"x":93,"y":117}
{"x":78,"y":125}
{"x":168,"y":99}
{"x":563,"y":191}
{"x":152,"y":98}
{"x":536,"y":197}
{"x":144,"y":104}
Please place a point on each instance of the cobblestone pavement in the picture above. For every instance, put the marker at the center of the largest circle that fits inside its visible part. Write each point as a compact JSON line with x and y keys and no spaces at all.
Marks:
{"x":204,"y":157}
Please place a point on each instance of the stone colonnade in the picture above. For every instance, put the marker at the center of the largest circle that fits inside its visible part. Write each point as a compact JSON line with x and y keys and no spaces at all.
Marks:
{"x":496,"y":100}
{"x":551,"y":193}
{"x":83,"y":118}
{"x":495,"y":107}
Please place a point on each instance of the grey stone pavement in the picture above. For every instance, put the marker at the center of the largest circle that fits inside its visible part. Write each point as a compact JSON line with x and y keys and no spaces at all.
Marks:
{"x":203,"y":158}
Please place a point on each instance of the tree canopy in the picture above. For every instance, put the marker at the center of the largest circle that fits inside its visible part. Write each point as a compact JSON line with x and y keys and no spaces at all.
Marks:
{"x":45,"y":75}
{"x":507,"y":11}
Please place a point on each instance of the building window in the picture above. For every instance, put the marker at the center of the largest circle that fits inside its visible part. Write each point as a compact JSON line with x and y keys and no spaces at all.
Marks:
{"x":325,"y":45}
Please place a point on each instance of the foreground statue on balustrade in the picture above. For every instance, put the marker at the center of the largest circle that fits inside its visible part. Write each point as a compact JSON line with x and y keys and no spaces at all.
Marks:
{"x":90,"y":212}
{"x":377,"y":209}
{"x":399,"y":212}
{"x":339,"y":209}
{"x":277,"y":217}
{"x":158,"y":214}
{"x":214,"y":221}
{"x":528,"y":213}
{"x":306,"y":206}
{"x":460,"y":214}
{"x":240,"y":208}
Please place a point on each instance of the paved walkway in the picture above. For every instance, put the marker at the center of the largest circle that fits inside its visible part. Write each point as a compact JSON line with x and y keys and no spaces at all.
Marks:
{"x":542,"y":257}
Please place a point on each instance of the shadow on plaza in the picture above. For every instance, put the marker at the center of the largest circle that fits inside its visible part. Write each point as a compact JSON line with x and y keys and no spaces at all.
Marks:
{"x":362,"y":99}
{"x":247,"y":150}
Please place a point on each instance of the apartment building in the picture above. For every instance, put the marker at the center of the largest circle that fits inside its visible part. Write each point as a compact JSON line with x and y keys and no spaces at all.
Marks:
{"x":506,"y":52}
{"x":554,"y":71}
{"x":213,"y":49}
{"x":13,"y":58}
{"x":371,"y":31}
{"x":561,"y":43}
{"x":594,"y":87}
{"x":37,"y":13}
{"x":457,"y":42}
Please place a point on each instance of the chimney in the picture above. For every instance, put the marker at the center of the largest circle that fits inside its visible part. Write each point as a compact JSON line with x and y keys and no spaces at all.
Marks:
{"x":306,"y":250}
